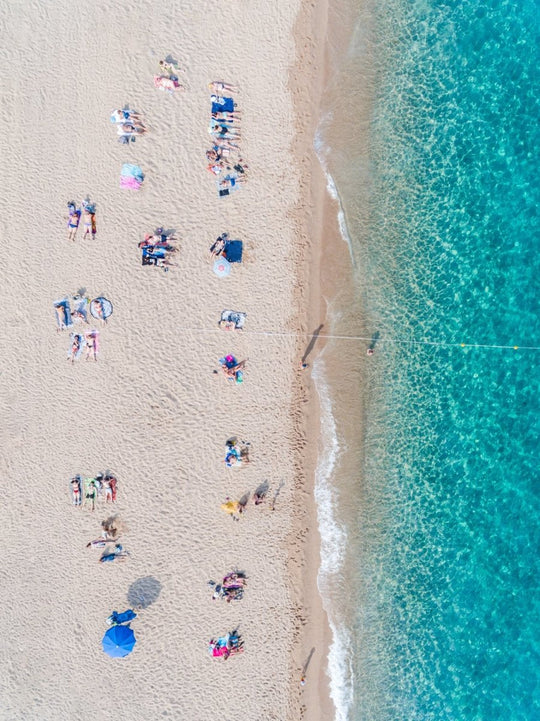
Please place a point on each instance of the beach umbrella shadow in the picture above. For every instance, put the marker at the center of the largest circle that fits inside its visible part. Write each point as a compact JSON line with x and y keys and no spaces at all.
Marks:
{"x":143,"y":592}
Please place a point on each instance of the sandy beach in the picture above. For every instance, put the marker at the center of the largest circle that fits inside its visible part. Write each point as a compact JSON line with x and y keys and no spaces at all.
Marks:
{"x":151,"y":409}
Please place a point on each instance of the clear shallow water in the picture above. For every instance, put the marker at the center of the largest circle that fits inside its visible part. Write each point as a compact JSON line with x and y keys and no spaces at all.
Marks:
{"x":442,"y":554}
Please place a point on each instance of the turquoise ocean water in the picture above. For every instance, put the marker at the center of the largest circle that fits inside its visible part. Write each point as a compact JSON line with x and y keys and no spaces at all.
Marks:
{"x":439,"y":582}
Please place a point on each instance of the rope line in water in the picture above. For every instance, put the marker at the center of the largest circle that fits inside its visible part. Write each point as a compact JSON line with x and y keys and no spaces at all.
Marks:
{"x":292,"y":334}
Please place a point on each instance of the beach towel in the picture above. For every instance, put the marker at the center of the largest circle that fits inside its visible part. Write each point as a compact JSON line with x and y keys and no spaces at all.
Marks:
{"x":119,"y":116}
{"x":233,"y":251}
{"x":63,"y":314}
{"x":221,"y":104}
{"x":153,"y":251}
{"x":92,"y":342}
{"x":80,"y":308}
{"x":116,"y":618}
{"x":131,"y":176}
{"x":101,"y":308}
{"x":76,"y":338}
{"x":236,"y":317}
{"x":163,"y":82}
{"x":227,"y":184}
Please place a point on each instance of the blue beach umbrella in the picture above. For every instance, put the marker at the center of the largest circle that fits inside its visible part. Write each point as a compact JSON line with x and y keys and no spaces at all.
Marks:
{"x":118,"y":641}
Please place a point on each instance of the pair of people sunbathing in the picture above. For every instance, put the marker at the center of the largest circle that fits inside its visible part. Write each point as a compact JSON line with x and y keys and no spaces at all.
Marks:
{"x":236,"y":452}
{"x":128,"y":124}
{"x":88,"y":213}
{"x":156,"y":249}
{"x":231,"y":588}
{"x":88,"y":341}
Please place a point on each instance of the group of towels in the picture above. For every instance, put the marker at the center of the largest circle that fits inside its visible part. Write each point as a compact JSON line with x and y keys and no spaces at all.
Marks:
{"x":70,"y":310}
{"x":226,"y":646}
{"x":225,"y":131}
{"x":231,"y":588}
{"x":102,"y":485}
{"x":168,"y":80}
{"x":157,"y":248}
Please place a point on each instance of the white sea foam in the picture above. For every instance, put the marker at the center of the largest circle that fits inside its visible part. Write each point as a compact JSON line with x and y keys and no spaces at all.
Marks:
{"x":322,"y":150}
{"x":333,"y":545}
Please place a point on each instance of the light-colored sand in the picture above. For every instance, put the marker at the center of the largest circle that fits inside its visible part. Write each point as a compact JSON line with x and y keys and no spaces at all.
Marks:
{"x":151,"y":409}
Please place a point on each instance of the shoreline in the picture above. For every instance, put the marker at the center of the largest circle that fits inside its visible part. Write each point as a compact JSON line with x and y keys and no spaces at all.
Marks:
{"x":319,"y":217}
{"x":331,"y":269}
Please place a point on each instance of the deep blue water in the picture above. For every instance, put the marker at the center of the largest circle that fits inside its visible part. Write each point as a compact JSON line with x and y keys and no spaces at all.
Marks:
{"x":448,"y":552}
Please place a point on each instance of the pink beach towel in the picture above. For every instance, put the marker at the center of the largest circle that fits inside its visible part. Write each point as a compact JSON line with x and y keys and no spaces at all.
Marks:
{"x":127,"y":181}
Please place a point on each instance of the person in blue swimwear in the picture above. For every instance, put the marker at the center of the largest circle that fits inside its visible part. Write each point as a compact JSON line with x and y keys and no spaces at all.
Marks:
{"x":73,"y":220}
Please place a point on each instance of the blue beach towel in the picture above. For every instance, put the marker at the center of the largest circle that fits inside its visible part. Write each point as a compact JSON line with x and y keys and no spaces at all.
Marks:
{"x":222,"y":105}
{"x":233,"y":251}
{"x":132,"y":171}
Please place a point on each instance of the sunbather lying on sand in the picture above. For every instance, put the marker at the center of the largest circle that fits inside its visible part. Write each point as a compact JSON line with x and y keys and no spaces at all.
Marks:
{"x":130,"y":129}
{"x":61,"y":316}
{"x":219,"y":245}
{"x":117,"y":555}
{"x":232,"y":116}
{"x":218,"y":130}
{"x":73,"y":220}
{"x":92,"y":344}
{"x":169,"y":84}
{"x":89,"y":219}
{"x":97,"y":543}
{"x":224,"y":144}
{"x":121,"y":116}
{"x":76,"y":490}
{"x":76,"y":347}
{"x":219,"y":88}
{"x":90,"y":495}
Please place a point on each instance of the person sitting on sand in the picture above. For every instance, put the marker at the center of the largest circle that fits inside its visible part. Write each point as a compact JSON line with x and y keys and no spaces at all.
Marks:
{"x":233,"y":371}
{"x":227,"y":325}
{"x":110,"y":528}
{"x":170,"y":69}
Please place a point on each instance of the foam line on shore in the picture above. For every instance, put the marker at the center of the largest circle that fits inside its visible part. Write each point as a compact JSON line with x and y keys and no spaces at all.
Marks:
{"x":333,"y":544}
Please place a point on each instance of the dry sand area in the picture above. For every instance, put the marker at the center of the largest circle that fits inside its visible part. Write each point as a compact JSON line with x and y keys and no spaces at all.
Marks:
{"x":150,"y":409}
